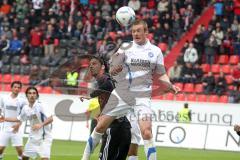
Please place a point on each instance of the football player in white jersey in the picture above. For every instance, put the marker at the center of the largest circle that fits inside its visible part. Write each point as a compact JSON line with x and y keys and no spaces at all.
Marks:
{"x":143,"y":60}
{"x":11,"y":106}
{"x":133,"y":72}
{"x":40,"y":139}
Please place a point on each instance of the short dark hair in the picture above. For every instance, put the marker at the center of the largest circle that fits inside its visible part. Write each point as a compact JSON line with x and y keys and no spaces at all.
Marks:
{"x":16,"y":82}
{"x":185,"y":105}
{"x":33,"y":88}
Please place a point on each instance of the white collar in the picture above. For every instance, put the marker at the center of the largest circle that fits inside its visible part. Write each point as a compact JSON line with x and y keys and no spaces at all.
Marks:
{"x":142,"y":46}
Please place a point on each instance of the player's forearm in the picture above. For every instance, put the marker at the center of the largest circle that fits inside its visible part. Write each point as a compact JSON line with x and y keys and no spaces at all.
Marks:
{"x":165,"y":78}
{"x":8,"y":119}
{"x":47,"y":121}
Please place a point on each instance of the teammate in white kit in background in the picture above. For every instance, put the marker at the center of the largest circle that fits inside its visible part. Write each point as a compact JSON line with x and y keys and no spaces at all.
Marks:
{"x":40,"y":139}
{"x":11,"y":106}
{"x":142,"y":60}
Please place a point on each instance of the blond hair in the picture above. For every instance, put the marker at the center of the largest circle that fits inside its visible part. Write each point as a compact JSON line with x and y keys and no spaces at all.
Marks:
{"x":141,"y":22}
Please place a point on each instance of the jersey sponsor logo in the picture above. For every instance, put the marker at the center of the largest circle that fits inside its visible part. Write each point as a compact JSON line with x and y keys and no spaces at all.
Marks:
{"x":13,"y":108}
{"x":140,"y":62}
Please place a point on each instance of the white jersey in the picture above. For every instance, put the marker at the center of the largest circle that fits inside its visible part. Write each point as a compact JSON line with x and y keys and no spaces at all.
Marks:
{"x":140,"y":63}
{"x":36,"y":115}
{"x":11,"y":107}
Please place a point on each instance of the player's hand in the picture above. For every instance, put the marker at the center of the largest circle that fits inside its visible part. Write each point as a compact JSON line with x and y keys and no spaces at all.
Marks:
{"x":82,"y":98}
{"x":236,"y":128}
{"x":116,"y":69}
{"x":36,"y":127}
{"x":1,"y":119}
{"x":175,"y":89}
{"x":16,"y":127}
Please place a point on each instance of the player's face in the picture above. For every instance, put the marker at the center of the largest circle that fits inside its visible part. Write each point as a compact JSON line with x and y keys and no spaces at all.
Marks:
{"x":139,"y":34}
{"x":95,"y":67}
{"x":16,"y":88}
{"x":31,"y":95}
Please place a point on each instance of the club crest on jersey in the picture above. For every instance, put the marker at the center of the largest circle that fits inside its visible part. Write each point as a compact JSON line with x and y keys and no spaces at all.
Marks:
{"x":150,"y":54}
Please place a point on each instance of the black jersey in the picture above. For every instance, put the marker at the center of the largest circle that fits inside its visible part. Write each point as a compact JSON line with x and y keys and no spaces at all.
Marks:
{"x":105,"y":85}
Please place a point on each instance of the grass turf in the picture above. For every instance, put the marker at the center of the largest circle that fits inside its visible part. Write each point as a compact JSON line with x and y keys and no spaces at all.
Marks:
{"x":71,"y":150}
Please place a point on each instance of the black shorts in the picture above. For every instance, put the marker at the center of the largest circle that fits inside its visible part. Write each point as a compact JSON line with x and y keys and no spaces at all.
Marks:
{"x":116,"y":140}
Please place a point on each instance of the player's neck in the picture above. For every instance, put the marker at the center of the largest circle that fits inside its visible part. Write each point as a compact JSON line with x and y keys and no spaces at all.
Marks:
{"x":101,"y":73}
{"x":14,"y":95}
{"x":142,"y":43}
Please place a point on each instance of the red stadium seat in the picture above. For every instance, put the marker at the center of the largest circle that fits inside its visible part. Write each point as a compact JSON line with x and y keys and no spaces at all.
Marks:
{"x":163,"y":46}
{"x":205,"y":68}
{"x":191,"y":97}
{"x":188,"y":87}
{"x":202,"y":98}
{"x":169,"y":96}
{"x":229,"y":79}
{"x":234,"y":59}
{"x":7,"y":78}
{"x":226,"y":69}
{"x":47,"y":89}
{"x":25,"y":79}
{"x":223,"y":59}
{"x":7,"y":87}
{"x":215,"y":68}
{"x":180,"y":97}
{"x":179,"y":85}
{"x":198,"y":88}
{"x":223,"y":99}
{"x":213,"y":98}
{"x":17,"y":77}
{"x":158,"y":97}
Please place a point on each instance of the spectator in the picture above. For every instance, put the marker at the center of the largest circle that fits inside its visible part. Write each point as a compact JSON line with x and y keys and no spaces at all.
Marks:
{"x":49,"y":38}
{"x":163,"y":6}
{"x":221,"y":84}
{"x":5,"y":8}
{"x":208,"y":83}
{"x":218,"y":34}
{"x":236,"y":76}
{"x":134,"y":4}
{"x":197,"y":73}
{"x":191,"y":54}
{"x":234,"y":95}
{"x":174,"y":72}
{"x":187,"y":75}
{"x":210,"y":49}
{"x":36,"y":41}
{"x":15,"y":46}
{"x":4,"y":44}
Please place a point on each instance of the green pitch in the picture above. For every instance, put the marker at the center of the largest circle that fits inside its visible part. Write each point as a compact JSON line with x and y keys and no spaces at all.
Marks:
{"x":69,"y":150}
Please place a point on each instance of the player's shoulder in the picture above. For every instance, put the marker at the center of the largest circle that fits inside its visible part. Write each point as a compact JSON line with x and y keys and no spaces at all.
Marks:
{"x":155,"y":48}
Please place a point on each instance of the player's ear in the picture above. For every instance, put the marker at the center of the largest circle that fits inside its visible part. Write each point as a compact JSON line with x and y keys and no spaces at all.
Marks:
{"x":103,"y":67}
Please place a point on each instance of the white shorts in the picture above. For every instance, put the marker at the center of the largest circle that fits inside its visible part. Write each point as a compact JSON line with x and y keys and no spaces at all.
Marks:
{"x":142,"y":109}
{"x":16,"y":139}
{"x":135,"y":130}
{"x":116,"y":106}
{"x":33,"y":148}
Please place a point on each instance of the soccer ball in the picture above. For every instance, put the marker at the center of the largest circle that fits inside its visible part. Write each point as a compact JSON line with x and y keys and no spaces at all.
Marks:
{"x":125,"y":16}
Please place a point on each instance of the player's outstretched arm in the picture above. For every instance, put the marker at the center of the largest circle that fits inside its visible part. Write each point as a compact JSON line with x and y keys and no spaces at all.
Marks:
{"x":7,"y":119}
{"x":172,"y":88}
{"x":40,"y":125}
